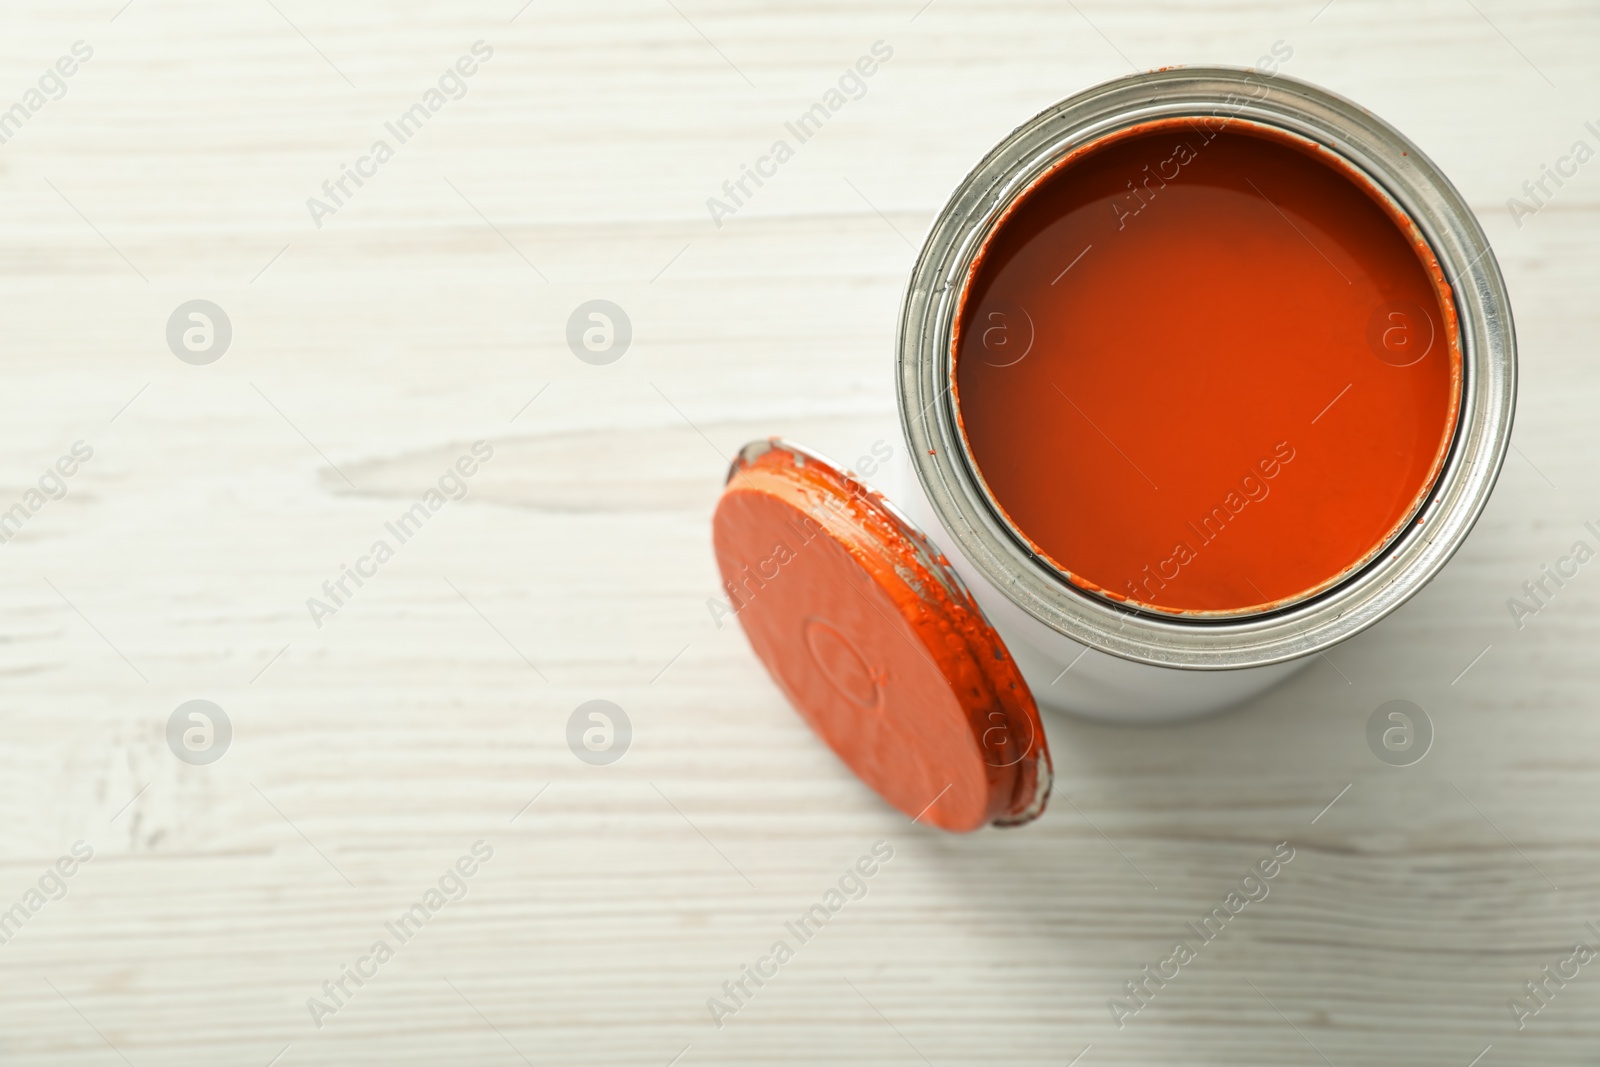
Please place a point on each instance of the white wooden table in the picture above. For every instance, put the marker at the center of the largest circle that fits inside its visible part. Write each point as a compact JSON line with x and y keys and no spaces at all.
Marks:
{"x":429,"y":312}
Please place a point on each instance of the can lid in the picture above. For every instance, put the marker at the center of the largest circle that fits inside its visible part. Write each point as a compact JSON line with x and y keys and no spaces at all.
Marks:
{"x":877,"y":643}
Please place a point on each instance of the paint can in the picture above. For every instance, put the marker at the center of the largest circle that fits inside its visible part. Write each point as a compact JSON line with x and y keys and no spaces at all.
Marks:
{"x":921,"y":657}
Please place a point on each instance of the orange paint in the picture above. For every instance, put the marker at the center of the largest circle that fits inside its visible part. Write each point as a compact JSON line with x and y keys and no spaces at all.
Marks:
{"x":877,"y":645}
{"x":1204,"y":367}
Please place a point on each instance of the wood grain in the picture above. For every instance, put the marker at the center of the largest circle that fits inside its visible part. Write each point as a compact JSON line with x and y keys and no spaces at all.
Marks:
{"x":372,"y":751}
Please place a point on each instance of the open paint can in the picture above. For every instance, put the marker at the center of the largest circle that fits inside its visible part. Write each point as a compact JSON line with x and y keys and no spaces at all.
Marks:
{"x":1201,"y":372}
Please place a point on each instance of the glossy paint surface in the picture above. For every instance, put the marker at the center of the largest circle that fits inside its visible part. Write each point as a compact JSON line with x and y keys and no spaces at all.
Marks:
{"x":1205,"y":368}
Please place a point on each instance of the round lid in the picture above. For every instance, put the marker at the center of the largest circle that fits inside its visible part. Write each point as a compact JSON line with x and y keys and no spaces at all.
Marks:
{"x":878,"y":645}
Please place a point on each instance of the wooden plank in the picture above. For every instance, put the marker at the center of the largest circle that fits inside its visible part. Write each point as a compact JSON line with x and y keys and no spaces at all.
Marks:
{"x":428,"y":312}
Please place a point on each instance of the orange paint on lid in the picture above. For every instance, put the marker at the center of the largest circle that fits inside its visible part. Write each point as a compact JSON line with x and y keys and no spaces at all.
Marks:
{"x":877,"y":643}
{"x":1206,"y":368}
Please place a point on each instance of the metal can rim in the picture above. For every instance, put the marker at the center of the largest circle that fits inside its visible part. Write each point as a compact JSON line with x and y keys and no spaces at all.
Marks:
{"x":1391,"y":162}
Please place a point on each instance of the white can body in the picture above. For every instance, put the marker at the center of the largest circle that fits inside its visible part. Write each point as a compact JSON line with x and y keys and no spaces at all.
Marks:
{"x":1070,"y":677}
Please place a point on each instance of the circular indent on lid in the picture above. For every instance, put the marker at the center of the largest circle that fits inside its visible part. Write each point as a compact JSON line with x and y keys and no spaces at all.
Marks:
{"x":876,"y":643}
{"x":840,"y":663}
